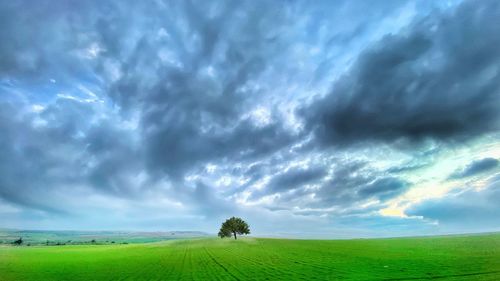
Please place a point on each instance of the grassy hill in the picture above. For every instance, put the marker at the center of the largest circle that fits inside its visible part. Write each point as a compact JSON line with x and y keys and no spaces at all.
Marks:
{"x":442,"y":258}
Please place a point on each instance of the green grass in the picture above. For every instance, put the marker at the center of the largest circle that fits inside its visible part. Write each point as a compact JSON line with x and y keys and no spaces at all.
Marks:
{"x":440,"y":258}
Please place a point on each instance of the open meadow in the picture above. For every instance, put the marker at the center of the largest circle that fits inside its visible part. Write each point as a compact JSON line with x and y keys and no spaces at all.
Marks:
{"x":427,"y":258}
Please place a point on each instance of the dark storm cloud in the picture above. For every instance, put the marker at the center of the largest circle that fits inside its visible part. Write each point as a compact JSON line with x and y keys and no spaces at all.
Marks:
{"x":28,"y":165}
{"x":291,"y":179}
{"x":467,"y":209}
{"x":115,"y":161}
{"x":350,"y":184}
{"x":384,"y":188}
{"x":177,"y":147}
{"x":186,"y":73}
{"x":45,"y":39}
{"x":438,"y":79}
{"x":104,"y":155}
{"x":475,"y":167}
{"x":53,"y":152}
{"x":405,"y":168}
{"x":189,"y":72}
{"x":356,"y":182}
{"x":186,"y":70}
{"x":192,"y":79}
{"x":294,"y":178}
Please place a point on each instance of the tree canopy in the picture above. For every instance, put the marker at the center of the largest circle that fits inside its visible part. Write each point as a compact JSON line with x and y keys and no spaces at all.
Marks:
{"x":232,"y":227}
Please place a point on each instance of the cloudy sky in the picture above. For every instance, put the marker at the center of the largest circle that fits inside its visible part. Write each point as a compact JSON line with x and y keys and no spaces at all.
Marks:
{"x":305,"y":118}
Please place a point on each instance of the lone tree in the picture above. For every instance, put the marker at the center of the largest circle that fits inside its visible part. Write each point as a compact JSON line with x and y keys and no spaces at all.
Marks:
{"x":232,"y":227}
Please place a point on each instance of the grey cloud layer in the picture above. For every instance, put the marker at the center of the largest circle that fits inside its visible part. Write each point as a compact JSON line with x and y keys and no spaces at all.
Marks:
{"x":132,"y":100}
{"x":191,"y":103}
{"x":476,"y":167}
{"x":66,"y":151}
{"x":353,"y":183}
{"x":438,"y":79}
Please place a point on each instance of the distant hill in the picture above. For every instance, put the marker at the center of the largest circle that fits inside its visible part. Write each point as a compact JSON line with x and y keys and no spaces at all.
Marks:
{"x":58,"y":237}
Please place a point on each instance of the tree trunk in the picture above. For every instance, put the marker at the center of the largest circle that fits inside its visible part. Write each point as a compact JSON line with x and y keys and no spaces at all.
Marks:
{"x":234,"y":235}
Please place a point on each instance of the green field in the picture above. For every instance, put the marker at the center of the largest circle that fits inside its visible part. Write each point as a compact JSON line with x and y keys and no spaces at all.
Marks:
{"x":441,"y":258}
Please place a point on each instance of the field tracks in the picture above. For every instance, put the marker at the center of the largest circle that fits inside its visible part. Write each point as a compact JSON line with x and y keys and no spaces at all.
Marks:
{"x":220,"y":264}
{"x":445,"y":276}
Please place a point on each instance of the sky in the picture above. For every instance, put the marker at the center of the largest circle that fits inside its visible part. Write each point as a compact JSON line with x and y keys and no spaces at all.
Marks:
{"x":323,"y":119}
